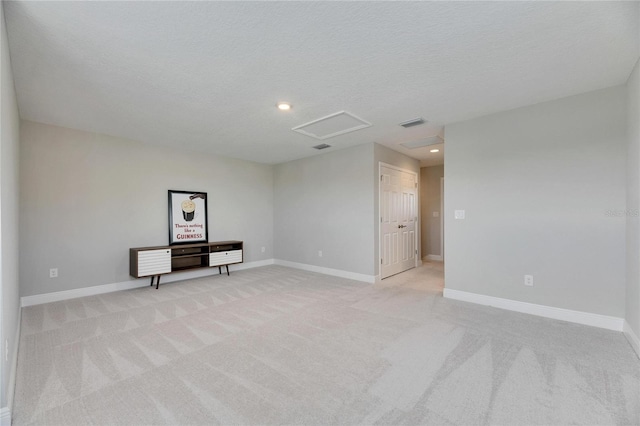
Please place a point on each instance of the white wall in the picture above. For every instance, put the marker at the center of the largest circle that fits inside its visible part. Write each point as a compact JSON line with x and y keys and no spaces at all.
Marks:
{"x":544,"y":192}
{"x":325,"y":203}
{"x":87,"y":198}
{"x":633,"y":203}
{"x":9,"y":158}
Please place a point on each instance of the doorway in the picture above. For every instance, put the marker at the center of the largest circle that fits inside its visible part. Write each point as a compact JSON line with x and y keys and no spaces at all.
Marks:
{"x":431,"y":199}
{"x":398,"y":220}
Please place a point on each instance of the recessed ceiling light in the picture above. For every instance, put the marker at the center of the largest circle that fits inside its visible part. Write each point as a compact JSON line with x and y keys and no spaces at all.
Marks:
{"x":434,"y":150}
{"x":283,"y":106}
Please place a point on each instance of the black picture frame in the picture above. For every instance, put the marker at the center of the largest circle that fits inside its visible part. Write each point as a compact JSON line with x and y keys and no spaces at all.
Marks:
{"x":188,"y":218}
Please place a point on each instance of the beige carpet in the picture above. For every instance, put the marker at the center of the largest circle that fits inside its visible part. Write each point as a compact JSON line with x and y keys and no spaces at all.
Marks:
{"x":275,"y":345}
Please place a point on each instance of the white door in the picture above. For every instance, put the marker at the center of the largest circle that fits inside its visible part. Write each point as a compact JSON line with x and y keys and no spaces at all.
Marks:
{"x":398,"y":216}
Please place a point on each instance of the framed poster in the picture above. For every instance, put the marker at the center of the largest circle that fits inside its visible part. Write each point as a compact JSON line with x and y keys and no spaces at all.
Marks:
{"x":187,"y":217}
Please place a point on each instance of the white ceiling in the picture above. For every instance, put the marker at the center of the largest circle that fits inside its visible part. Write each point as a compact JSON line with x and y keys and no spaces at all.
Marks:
{"x":205,"y":76}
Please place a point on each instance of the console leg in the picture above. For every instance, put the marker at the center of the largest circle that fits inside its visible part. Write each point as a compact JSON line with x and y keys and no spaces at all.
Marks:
{"x":227,"y":266}
{"x":152,"y":277}
{"x":219,"y":270}
{"x":158,"y":282}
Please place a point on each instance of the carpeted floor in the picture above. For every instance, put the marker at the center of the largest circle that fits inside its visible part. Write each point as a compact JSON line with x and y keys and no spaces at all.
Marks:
{"x":275,"y":345}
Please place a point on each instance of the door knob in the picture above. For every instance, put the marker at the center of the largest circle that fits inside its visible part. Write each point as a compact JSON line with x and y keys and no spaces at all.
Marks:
{"x":402,"y":226}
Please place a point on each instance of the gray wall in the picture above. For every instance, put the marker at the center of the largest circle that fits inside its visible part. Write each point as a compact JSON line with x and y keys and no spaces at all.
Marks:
{"x":429,"y":203}
{"x":9,"y":160}
{"x":382,"y":154}
{"x":329,"y":202}
{"x":325,"y":202}
{"x":544,"y":192}
{"x":87,"y":198}
{"x":633,"y":202}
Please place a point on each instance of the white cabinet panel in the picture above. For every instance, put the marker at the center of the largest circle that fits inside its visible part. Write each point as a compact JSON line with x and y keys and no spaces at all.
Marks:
{"x":225,"y":257}
{"x":154,"y":262}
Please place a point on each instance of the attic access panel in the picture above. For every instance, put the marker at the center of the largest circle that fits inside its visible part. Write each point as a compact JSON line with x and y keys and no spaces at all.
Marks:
{"x":332,"y":125}
{"x":433,"y":140}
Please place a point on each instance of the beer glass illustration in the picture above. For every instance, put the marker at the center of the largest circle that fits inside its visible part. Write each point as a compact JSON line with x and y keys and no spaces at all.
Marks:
{"x":188,"y":210}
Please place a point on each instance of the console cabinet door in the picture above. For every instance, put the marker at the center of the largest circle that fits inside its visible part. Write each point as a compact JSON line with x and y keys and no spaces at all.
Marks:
{"x":225,"y":257}
{"x":154,"y":262}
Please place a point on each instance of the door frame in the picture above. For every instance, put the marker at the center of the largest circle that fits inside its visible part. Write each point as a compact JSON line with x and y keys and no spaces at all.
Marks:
{"x":442,"y":218}
{"x":379,"y":218}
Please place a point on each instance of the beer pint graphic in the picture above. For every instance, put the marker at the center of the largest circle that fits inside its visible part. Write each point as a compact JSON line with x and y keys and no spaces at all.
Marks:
{"x":188,"y":210}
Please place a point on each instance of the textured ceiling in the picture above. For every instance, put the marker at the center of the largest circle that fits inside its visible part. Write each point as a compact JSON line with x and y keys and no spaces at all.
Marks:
{"x":205,"y":76}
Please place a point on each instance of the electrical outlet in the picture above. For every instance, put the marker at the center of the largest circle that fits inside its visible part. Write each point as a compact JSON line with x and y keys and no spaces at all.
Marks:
{"x":263,"y":249}
{"x":459,"y":214}
{"x":528,"y":280}
{"x":53,"y":273}
{"x":319,"y":253}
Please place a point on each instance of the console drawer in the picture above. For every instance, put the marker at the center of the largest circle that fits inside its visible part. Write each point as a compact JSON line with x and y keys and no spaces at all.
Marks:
{"x":225,"y":257}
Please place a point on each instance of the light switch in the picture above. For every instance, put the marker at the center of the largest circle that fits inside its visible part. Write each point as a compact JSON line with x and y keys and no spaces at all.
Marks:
{"x":436,"y":214}
{"x":459,"y":214}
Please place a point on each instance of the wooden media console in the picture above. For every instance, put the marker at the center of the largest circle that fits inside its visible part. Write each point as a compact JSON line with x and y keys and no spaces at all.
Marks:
{"x":160,"y":260}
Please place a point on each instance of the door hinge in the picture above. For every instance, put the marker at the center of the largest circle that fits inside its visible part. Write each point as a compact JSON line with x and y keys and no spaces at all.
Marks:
{"x":416,"y":251}
{"x":416,"y":184}
{"x":380,"y":219}
{"x":381,"y":261}
{"x":381,"y":177}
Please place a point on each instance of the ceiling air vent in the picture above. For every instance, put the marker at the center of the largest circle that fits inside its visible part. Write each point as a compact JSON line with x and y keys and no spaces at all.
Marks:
{"x":322,"y":146}
{"x":415,"y":122}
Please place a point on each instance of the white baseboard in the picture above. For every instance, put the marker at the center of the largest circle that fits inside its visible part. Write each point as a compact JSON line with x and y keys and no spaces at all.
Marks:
{"x":57,"y":296}
{"x":250,"y":265}
{"x":5,"y":416}
{"x":328,"y":271}
{"x":137,"y":283}
{"x":433,"y":257}
{"x":632,"y":338}
{"x":585,"y":318}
